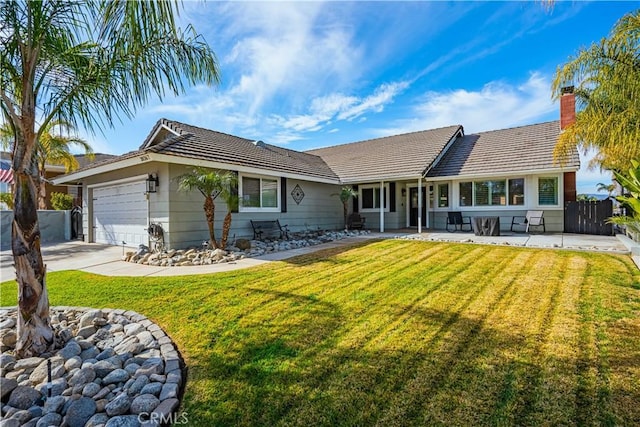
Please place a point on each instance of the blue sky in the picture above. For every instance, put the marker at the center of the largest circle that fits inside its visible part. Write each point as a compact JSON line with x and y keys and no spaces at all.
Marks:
{"x":311,"y":74}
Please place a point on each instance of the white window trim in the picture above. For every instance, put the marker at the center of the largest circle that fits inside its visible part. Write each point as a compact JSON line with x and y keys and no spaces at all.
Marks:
{"x":256,"y":209}
{"x":473,"y":206}
{"x":559,"y":194}
{"x":436,"y":196}
{"x":374,"y":186}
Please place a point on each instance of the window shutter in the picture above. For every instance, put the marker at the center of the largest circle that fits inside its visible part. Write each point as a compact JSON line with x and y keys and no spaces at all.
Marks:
{"x":355,"y":200}
{"x":283,"y":194}
{"x":392,"y":197}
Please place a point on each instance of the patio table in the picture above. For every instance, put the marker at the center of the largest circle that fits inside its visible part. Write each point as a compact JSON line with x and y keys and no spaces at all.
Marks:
{"x":486,"y":225}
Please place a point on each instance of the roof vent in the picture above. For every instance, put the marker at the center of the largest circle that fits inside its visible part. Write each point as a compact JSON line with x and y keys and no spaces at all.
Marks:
{"x":259,"y":143}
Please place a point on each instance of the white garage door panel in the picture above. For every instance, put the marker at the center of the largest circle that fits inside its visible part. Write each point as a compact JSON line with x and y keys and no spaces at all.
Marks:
{"x":120,"y":214}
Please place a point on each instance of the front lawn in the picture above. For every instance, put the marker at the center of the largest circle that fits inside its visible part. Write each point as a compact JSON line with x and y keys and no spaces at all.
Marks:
{"x":397,"y":333}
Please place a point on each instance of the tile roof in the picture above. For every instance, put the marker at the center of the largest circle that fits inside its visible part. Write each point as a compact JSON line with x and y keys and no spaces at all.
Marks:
{"x":204,"y":144}
{"x":519,"y":149}
{"x":393,"y":157}
{"x":406,"y":156}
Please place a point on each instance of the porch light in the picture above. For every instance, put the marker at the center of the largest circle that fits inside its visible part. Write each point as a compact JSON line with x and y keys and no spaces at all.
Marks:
{"x":152,"y":183}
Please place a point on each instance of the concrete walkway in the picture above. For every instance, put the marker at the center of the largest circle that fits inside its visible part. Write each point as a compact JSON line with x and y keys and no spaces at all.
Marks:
{"x":105,"y":260}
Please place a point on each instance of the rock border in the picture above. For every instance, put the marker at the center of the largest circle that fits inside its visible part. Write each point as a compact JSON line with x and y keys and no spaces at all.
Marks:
{"x":517,"y":245}
{"x":111,"y":367}
{"x":239,"y":249}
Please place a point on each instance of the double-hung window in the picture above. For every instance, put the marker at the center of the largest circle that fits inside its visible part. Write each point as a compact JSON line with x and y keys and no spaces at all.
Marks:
{"x":259,"y":194}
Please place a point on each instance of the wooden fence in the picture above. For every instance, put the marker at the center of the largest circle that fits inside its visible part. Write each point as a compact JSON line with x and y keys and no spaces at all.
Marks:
{"x":587,"y":217}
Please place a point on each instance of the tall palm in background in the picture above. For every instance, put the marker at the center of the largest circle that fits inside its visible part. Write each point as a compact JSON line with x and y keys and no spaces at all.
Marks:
{"x":53,"y":148}
{"x":606,"y":76}
{"x":81,"y":62}
{"x":211,"y":184}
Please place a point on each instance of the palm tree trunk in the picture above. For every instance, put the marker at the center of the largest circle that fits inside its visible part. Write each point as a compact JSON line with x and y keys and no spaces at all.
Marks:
{"x":35,"y":334}
{"x":209,"y":211}
{"x":42,"y":189}
{"x":345,"y":212}
{"x":226,"y":226}
{"x":42,"y":195}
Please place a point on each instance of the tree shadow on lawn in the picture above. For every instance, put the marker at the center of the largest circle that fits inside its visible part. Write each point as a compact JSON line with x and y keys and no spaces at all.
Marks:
{"x":313,"y":371}
{"x":330,"y":255}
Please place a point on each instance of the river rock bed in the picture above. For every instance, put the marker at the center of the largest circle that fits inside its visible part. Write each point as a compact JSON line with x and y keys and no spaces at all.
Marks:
{"x":241,"y":248}
{"x":110,"y":368}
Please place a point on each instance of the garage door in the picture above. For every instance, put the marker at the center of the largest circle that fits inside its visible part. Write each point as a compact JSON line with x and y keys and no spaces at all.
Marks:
{"x":120,"y":214}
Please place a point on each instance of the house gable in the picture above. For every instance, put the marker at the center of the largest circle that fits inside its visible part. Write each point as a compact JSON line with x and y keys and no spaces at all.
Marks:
{"x":524,"y":149}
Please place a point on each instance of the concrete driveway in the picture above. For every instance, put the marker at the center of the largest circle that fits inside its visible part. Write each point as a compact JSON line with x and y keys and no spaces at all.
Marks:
{"x":105,"y":260}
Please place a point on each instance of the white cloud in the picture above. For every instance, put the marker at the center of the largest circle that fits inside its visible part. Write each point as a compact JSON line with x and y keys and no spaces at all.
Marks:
{"x":288,"y":51}
{"x":327,"y":110}
{"x":496,"y":105}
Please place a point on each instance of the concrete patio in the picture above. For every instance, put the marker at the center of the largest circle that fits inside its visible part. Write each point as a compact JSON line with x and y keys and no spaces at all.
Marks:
{"x":105,"y":260}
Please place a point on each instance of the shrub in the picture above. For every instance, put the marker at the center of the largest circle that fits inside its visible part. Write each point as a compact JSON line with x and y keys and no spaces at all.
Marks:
{"x":61,"y":201}
{"x":7,"y":199}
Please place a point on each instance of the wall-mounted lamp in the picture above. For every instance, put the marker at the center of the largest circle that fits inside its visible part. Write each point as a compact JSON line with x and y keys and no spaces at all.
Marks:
{"x":152,"y":183}
{"x":404,"y":192}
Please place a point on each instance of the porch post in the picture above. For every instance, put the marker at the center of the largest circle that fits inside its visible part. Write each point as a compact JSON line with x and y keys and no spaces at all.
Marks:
{"x":426,"y":187}
{"x":419,"y":205}
{"x":382,"y":206}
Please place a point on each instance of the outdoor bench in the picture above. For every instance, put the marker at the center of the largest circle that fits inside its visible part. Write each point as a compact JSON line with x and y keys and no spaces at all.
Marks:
{"x":260,"y":228}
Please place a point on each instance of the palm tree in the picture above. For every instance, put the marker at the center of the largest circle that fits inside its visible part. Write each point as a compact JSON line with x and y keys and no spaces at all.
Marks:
{"x":52,"y":149}
{"x":606,"y":76}
{"x":82,"y":62}
{"x":345,"y":195}
{"x":55,"y":149}
{"x":230,"y":197}
{"x":609,"y":188}
{"x":211,"y":184}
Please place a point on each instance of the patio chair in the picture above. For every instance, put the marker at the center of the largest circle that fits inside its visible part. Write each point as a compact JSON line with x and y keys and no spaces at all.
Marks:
{"x":457,"y":221}
{"x":531,"y":219}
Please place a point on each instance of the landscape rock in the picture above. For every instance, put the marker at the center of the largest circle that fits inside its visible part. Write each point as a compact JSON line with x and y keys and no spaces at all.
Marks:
{"x":24,"y":397}
{"x":145,"y":403}
{"x":101,"y":376}
{"x":7,"y":385}
{"x":54,"y":404}
{"x":49,"y":419}
{"x":80,"y":411}
{"x":118,"y":406}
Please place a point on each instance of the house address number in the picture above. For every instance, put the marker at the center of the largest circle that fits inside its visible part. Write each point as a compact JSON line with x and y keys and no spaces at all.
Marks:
{"x":145,"y":158}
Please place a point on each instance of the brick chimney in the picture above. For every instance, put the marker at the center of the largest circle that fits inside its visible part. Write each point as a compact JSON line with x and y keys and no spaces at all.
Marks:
{"x":568,"y":117}
{"x":567,"y":107}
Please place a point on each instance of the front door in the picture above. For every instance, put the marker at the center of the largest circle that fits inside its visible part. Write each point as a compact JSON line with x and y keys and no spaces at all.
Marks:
{"x":413,"y":207}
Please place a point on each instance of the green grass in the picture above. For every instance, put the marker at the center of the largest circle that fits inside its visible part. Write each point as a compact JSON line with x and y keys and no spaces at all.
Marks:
{"x":397,"y":333}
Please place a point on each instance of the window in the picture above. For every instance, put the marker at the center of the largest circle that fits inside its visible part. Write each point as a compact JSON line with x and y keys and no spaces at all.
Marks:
{"x":547,"y":191}
{"x":370,"y":198}
{"x":443,"y":195}
{"x":516,"y":192}
{"x":466,"y":194}
{"x":259,"y":193}
{"x":499,"y":192}
{"x":490,"y":193}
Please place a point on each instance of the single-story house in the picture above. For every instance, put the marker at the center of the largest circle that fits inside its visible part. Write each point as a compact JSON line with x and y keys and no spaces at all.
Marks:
{"x":51,"y":171}
{"x":409,"y":180}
